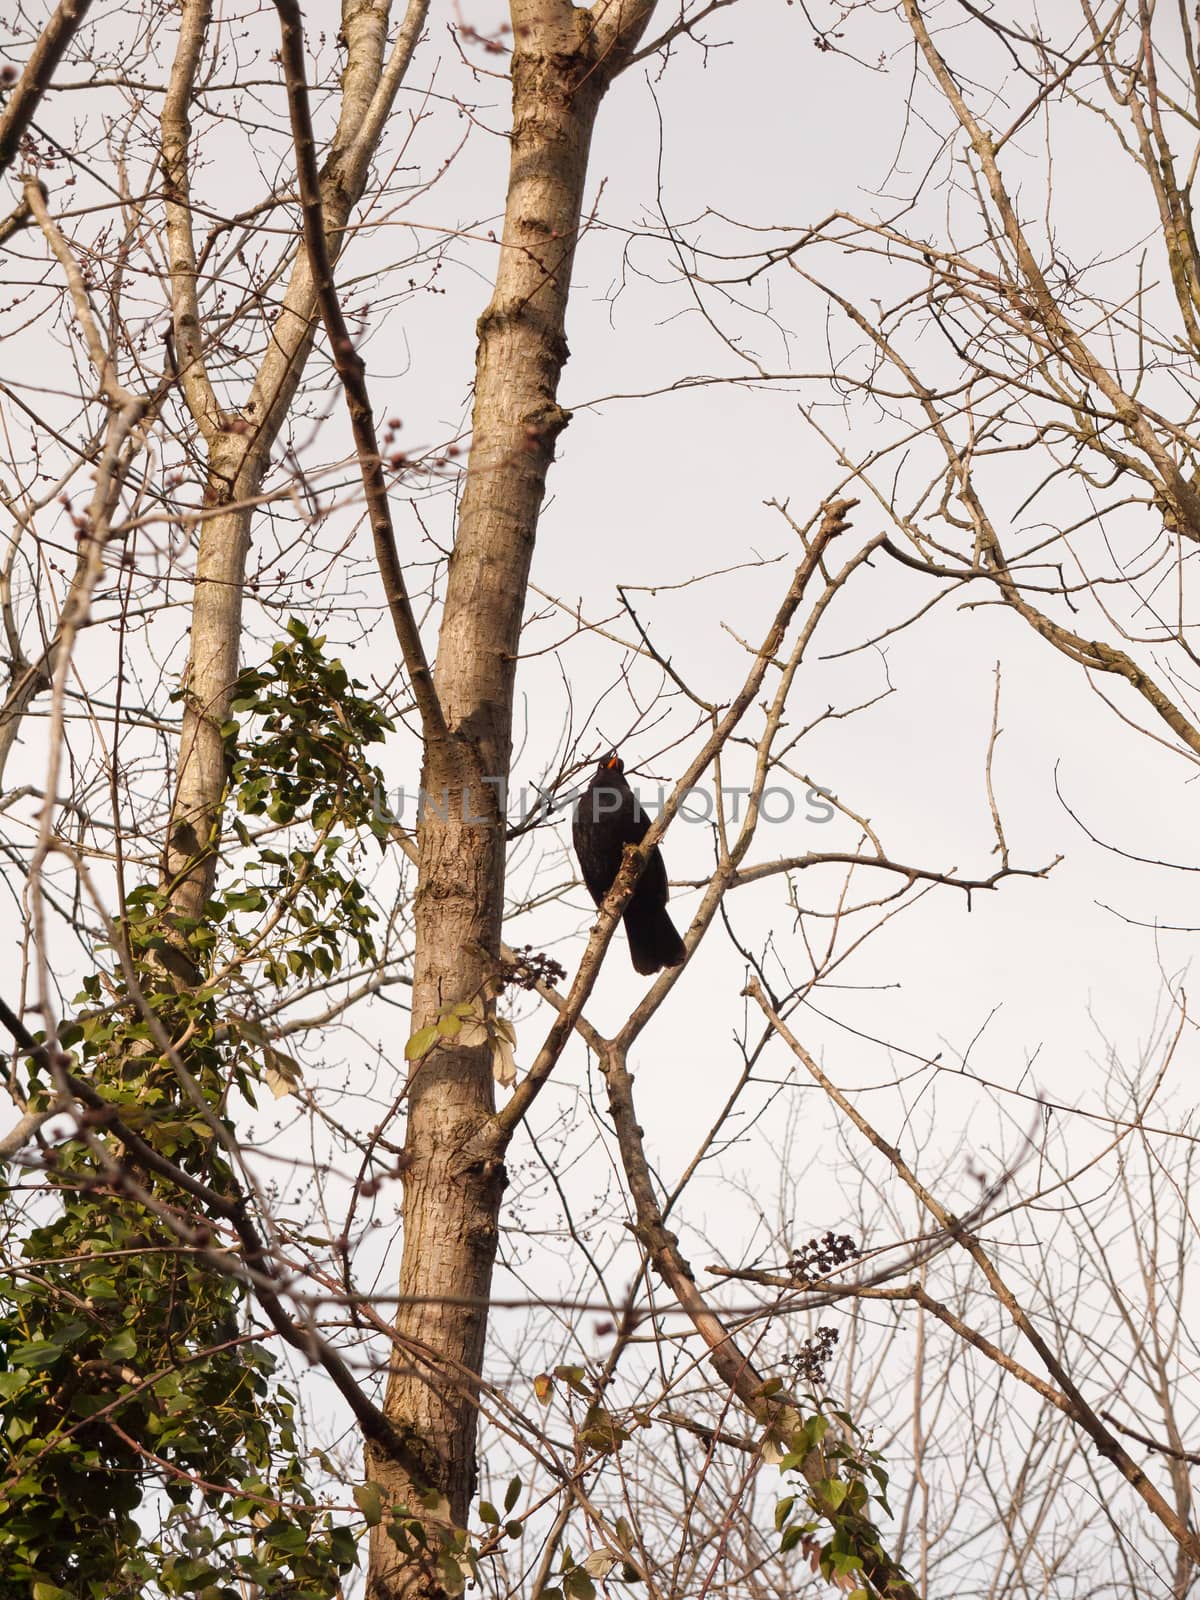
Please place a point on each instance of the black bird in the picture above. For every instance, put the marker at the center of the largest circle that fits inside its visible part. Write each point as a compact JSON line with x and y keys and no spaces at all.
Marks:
{"x":607,"y":818}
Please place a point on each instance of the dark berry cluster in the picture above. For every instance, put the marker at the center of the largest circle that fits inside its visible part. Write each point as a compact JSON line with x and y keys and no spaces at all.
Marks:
{"x":819,"y":1256}
{"x":809,"y":1362}
{"x":529,"y":967}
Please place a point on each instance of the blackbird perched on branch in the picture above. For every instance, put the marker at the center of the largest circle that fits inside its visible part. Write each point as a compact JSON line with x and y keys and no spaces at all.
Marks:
{"x":607,"y":818}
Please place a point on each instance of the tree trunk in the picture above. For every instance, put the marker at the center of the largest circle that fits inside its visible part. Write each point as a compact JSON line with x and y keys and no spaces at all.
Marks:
{"x":240,"y":444}
{"x":563,"y":60}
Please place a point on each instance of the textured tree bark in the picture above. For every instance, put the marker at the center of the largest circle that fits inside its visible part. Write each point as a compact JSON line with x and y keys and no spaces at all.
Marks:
{"x":563,"y":60}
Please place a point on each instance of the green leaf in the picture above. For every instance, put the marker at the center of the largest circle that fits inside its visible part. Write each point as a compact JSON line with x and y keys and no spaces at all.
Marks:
{"x":421,"y":1043}
{"x":369,"y":1500}
{"x":286,"y":1537}
{"x":343,"y":1546}
{"x":488,"y":1513}
{"x":38,"y":1353}
{"x":512,"y":1494}
{"x":245,"y":899}
{"x":122,"y":1347}
{"x":455,"y":1572}
{"x":577,"y":1585}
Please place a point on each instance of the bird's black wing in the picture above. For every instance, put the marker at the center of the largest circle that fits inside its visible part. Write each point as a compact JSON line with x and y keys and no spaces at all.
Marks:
{"x":601,"y":830}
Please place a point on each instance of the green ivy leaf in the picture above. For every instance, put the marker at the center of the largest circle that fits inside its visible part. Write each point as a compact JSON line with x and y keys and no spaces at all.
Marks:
{"x":122,"y":1347}
{"x":369,"y":1500}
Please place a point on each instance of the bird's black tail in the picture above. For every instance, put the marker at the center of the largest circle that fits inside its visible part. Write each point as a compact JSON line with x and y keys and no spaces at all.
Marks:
{"x":653,"y":940}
